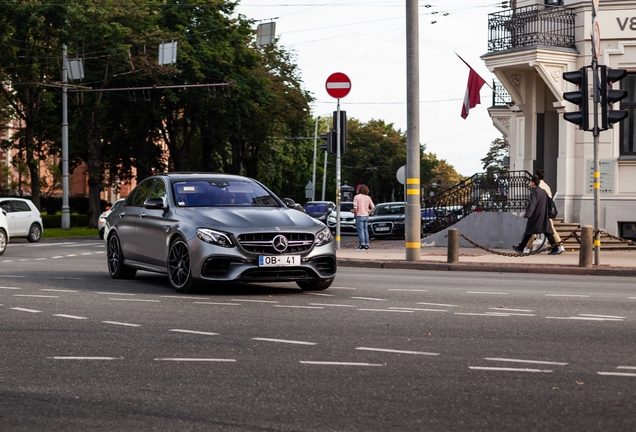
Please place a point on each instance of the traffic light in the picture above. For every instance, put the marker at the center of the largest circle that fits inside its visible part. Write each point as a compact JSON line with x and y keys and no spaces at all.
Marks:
{"x":343,"y":130}
{"x":579,"y":97}
{"x":609,"y":96}
{"x":330,"y":142}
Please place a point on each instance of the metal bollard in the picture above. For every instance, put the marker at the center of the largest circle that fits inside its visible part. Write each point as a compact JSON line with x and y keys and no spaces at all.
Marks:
{"x":453,"y":246}
{"x":586,"y":251}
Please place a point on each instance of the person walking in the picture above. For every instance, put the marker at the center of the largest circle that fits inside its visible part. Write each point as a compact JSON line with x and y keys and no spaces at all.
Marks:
{"x":362,"y":207}
{"x":543,"y":185}
{"x":538,"y":220}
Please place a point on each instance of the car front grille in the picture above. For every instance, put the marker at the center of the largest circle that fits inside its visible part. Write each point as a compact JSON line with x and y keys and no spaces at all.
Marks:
{"x":263,"y":242}
{"x":217,"y":266}
{"x":276,"y":274}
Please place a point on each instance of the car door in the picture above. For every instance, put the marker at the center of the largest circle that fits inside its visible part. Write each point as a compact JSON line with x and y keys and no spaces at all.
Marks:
{"x":128,"y":216}
{"x":152,"y":229}
{"x":18,"y":217}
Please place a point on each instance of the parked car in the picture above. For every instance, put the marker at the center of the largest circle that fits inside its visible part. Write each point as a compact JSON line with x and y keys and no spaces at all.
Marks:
{"x":101,"y":222}
{"x":23,"y":218}
{"x":207,"y":228}
{"x":387,"y":220}
{"x":347,"y":218}
{"x":319,"y":209}
{"x":4,"y":231}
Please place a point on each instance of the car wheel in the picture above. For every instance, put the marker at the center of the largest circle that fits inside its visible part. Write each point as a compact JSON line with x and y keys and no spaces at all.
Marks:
{"x":101,"y":234}
{"x":3,"y":241}
{"x":179,"y":267}
{"x":315,"y":285}
{"x":35,"y":232}
{"x":115,"y":257}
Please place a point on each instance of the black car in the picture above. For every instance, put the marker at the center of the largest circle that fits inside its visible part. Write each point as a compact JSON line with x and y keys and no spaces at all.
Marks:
{"x":319,"y":209}
{"x":387,"y":220}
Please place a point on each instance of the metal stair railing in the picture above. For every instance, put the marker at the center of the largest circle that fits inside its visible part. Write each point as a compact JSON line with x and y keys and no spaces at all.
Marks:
{"x":483,"y":192}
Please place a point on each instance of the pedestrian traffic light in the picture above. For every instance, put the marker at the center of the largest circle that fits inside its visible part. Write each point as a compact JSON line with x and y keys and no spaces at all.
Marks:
{"x":330,"y":142}
{"x":609,"y":96}
{"x":579,"y":97}
{"x":343,"y":130}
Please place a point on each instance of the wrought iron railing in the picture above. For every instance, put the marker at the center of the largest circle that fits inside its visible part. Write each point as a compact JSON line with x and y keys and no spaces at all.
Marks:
{"x":506,"y":191}
{"x":528,"y":26}
{"x":500,"y":96}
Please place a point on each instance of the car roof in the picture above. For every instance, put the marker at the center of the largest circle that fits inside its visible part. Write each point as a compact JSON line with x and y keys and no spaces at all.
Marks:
{"x":391,"y":203}
{"x":184,"y":176}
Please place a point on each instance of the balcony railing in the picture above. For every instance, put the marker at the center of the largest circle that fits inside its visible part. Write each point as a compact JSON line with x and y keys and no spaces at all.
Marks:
{"x":531,"y":26}
{"x":500,"y":96}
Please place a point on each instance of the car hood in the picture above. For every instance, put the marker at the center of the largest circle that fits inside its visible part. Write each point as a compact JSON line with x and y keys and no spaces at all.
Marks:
{"x":391,"y":218}
{"x":343,"y":214}
{"x":263,"y":218}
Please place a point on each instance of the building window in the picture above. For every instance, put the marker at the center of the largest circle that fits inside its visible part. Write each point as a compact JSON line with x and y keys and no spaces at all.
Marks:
{"x":628,"y":126}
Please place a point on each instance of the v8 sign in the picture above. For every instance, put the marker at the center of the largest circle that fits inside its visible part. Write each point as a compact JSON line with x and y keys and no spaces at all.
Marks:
{"x":338,"y":85}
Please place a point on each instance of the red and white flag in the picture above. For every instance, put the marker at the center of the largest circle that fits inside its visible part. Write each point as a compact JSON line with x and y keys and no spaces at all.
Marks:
{"x":475,"y":83}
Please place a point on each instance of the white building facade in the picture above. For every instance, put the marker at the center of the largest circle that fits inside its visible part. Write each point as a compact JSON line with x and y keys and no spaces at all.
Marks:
{"x":530,"y":46}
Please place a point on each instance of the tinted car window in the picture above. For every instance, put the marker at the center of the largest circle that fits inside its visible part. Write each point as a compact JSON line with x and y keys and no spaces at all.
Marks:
{"x":212,"y":193}
{"x":138,"y":196}
{"x":389,"y":210}
{"x":348,"y":206}
{"x":20,"y":206}
{"x":158,"y":190}
{"x":316,"y":208}
{"x":117,"y":205}
{"x":6,"y":206}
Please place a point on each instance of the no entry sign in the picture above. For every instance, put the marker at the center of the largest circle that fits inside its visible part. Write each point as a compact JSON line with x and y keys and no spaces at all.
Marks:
{"x":338,"y":85}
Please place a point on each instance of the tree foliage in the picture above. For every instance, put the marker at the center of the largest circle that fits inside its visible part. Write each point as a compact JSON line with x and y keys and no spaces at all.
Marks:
{"x":494,"y":159}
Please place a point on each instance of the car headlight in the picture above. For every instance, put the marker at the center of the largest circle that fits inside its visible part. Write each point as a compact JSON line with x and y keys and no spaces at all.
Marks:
{"x":332,"y":218}
{"x":399,"y":222}
{"x":102,"y":220}
{"x":214,"y":237}
{"x":323,"y":237}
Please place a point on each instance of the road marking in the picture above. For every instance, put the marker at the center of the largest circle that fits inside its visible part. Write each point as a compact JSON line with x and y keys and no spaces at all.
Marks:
{"x":70,"y":316}
{"x":57,"y":257}
{"x":419,"y":309}
{"x":510,"y":314}
{"x":194,"y":332}
{"x":135,"y":300}
{"x":214,"y":303}
{"x":602,"y":316}
{"x":325,"y":363}
{"x":10,"y":276}
{"x":437,"y":304}
{"x":10,"y":288}
{"x":584,"y":318}
{"x":254,"y":301}
{"x":410,"y":290}
{"x":626,"y":367}
{"x":115,"y":293}
{"x":85,"y":358}
{"x":386,"y":310}
{"x":333,"y":305}
{"x":68,"y":278}
{"x":397,"y":351}
{"x":35,"y":295}
{"x":512,"y":310}
{"x":566,"y":295}
{"x":342,"y":288}
{"x":26,"y":310}
{"x":319,"y":294}
{"x":525,"y":361}
{"x":624,"y":374}
{"x":87,"y":253}
{"x":57,"y":290}
{"x":509,"y":369}
{"x":7,"y":261}
{"x":298,"y":307}
{"x":121,"y":323}
{"x":489,"y":314}
{"x":101,"y":252}
{"x":368,"y":298}
{"x":72,"y":255}
{"x":486,"y":292}
{"x":285,"y":341}
{"x":185,"y":297}
{"x":41,"y":259}
{"x":195,"y":360}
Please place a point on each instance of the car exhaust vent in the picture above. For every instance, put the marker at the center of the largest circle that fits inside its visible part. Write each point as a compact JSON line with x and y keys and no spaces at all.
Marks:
{"x":216,"y":266}
{"x":325,"y":265}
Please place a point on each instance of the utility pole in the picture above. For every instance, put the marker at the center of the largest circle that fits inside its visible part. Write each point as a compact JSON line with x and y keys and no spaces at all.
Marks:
{"x":66,"y":214}
{"x":313,"y":176}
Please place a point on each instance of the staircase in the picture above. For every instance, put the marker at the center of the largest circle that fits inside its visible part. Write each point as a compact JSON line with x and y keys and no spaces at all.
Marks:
{"x":565,"y":229}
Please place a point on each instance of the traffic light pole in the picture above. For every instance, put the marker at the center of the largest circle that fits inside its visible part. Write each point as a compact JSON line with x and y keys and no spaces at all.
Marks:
{"x":597,"y":174}
{"x":338,"y":126}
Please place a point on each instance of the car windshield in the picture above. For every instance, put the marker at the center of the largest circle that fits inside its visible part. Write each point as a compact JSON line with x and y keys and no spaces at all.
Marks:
{"x":346,"y":206}
{"x":389,"y":210}
{"x":428,"y":213}
{"x":220,"y":192}
{"x":316,"y":207}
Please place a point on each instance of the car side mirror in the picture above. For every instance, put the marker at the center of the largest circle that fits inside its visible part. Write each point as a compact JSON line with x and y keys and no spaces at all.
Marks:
{"x":289,"y":202}
{"x":155,"y":204}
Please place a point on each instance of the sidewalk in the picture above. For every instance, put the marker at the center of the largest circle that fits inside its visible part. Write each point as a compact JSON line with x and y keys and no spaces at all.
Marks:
{"x":392,"y":255}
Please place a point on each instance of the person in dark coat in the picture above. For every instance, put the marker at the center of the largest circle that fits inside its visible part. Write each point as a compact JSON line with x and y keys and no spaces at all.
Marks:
{"x":538,"y":220}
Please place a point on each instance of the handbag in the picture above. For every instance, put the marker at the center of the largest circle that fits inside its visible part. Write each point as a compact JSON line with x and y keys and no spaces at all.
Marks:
{"x":552,"y":210}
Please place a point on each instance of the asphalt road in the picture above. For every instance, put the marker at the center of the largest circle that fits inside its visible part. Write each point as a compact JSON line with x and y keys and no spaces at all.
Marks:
{"x":380,"y":350}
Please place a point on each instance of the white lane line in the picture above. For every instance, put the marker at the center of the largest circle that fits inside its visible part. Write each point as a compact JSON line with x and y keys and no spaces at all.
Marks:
{"x":566,"y":295}
{"x":254,"y":301}
{"x":386,"y":310}
{"x":489,"y":314}
{"x":4,"y":261}
{"x":625,"y":367}
{"x":342,"y":288}
{"x":510,"y":314}
{"x":87,"y":253}
{"x":509,"y":369}
{"x":194,"y":332}
{"x":298,"y":307}
{"x":72,"y":255}
{"x":220,"y":304}
{"x":10,"y":276}
{"x":285,"y":341}
{"x":121,"y":323}
{"x":584,"y":318}
{"x":57,"y":257}
{"x":512,"y":310}
{"x":487,"y":292}
{"x":135,"y":300}
{"x":184,"y":297}
{"x":437,"y":304}
{"x":320,"y":294}
{"x":623,"y":374}
{"x":525,"y":361}
{"x":68,"y":278}
{"x":84,"y":358}
{"x":10,"y":288}
{"x":326,"y":363}
{"x":35,"y":295}
{"x":100,"y":252}
{"x":41,"y":259}
{"x":70,"y":316}
{"x":631,"y":298}
{"x":602,"y":316}
{"x":409,"y":290}
{"x":419,"y":309}
{"x":368,"y":298}
{"x":397,"y":351}
{"x":57,"y":290}
{"x":26,"y":310}
{"x":333,"y":305}
{"x":115,"y":293}
{"x":24,"y":259}
{"x":196,"y":360}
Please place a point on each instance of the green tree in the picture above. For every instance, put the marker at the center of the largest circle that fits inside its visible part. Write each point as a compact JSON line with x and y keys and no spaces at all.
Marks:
{"x":494,"y":159}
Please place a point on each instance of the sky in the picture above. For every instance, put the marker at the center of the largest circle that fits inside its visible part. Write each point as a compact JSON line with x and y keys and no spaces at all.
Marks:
{"x":366,"y":40}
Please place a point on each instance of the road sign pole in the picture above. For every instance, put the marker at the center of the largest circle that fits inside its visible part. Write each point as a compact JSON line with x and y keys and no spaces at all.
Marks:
{"x":338,"y":126}
{"x":595,"y":131}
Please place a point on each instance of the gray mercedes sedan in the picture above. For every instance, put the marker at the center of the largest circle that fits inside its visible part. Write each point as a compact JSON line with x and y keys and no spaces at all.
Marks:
{"x":201,"y":228}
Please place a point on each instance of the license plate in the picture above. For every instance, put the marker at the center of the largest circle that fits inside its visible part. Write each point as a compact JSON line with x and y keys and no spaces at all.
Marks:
{"x":278,"y":261}
{"x":383,"y":228}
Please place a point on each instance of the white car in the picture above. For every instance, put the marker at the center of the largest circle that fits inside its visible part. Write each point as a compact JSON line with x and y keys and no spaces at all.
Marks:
{"x":347,"y":218}
{"x":101,"y":222}
{"x":23,"y":218}
{"x":4,"y":231}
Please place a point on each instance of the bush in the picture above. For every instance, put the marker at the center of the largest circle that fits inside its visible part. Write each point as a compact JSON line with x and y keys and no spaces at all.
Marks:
{"x":52,"y":205}
{"x":55,"y":221}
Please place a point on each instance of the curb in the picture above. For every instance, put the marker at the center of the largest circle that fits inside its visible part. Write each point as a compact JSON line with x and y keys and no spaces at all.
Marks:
{"x":487,"y":267}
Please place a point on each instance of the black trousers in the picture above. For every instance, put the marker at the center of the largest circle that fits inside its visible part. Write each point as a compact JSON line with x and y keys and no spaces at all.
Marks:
{"x":526,"y":237}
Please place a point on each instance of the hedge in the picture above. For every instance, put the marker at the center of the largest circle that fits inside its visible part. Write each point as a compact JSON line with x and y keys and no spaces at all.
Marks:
{"x":55,"y":221}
